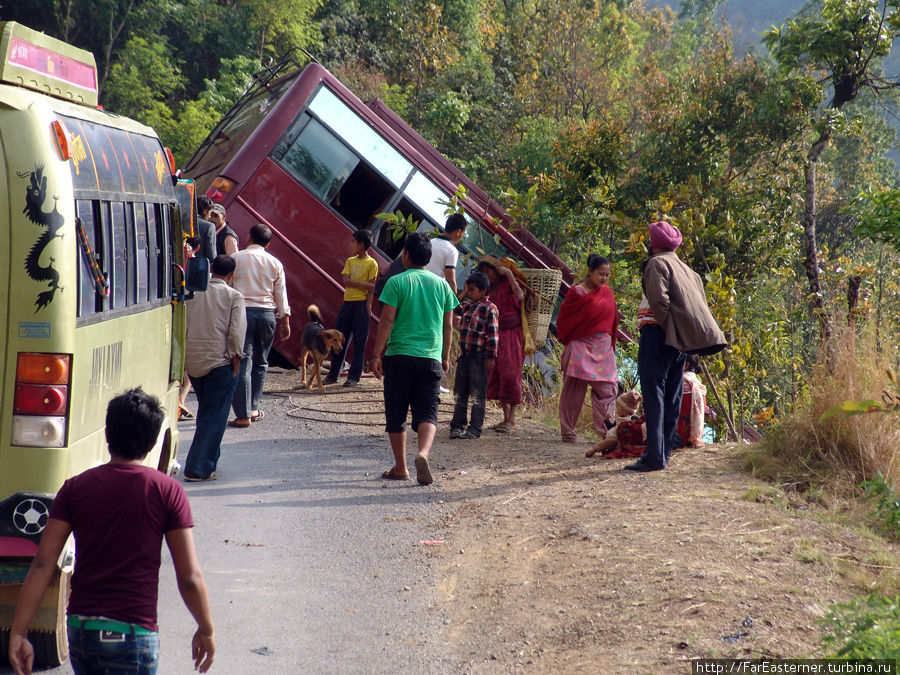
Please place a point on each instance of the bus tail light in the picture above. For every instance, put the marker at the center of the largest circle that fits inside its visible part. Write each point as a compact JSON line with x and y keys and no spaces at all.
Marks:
{"x":219,"y":189}
{"x":42,"y":368}
{"x":171,"y":158}
{"x":62,"y":139}
{"x":41,"y":400}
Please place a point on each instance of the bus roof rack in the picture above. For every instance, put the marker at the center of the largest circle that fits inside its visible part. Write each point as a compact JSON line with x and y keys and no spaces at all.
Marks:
{"x":286,"y":66}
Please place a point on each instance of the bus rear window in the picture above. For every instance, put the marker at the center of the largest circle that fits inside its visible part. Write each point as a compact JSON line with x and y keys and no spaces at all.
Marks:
{"x":119,"y":249}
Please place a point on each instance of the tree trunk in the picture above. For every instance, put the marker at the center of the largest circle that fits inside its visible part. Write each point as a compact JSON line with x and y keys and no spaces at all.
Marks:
{"x":811,"y":254}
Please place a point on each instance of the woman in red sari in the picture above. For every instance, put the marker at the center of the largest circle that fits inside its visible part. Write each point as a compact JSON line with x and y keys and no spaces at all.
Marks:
{"x":586,"y":325}
{"x":505,"y":379}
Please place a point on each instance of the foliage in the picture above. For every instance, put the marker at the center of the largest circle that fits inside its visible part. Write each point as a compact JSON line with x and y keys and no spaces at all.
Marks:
{"x":863,"y":628}
{"x":887,"y":503}
{"x":878,"y":215}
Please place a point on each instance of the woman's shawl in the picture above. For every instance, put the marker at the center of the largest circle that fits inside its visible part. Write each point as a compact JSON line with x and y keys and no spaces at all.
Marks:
{"x":583,"y":315}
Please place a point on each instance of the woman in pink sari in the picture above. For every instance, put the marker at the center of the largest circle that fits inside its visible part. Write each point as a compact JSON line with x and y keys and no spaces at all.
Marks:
{"x":505,"y":379}
{"x":586,"y":325}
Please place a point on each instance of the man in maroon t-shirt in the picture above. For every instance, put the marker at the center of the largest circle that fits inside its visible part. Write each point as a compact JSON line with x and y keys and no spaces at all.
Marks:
{"x":119,"y":513}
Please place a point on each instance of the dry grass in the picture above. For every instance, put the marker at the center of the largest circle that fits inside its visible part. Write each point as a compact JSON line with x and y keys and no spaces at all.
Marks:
{"x":843,"y":450}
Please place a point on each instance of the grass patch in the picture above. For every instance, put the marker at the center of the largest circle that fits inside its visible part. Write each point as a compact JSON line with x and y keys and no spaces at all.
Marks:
{"x":866,"y":627}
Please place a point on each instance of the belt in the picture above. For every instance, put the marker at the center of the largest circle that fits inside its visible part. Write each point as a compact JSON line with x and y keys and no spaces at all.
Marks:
{"x":108,"y":625}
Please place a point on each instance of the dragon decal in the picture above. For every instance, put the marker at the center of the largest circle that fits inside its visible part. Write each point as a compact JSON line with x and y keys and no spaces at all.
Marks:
{"x":53,"y":222}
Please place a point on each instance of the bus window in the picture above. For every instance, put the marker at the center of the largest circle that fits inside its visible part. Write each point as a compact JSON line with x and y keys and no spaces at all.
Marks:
{"x":167,"y":254}
{"x":427,"y":197}
{"x":331,"y":171}
{"x":155,"y":251}
{"x":87,"y":293}
{"x":141,"y":253}
{"x":118,"y":247}
{"x":351,"y":129}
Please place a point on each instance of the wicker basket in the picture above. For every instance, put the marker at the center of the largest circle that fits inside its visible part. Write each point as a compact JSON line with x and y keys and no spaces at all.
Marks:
{"x":539,"y":305}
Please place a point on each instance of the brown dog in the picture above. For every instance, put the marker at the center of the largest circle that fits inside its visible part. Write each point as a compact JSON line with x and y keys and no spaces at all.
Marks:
{"x":317,"y":341}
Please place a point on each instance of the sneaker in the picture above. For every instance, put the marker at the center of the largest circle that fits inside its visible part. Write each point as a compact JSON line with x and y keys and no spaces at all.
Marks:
{"x":470,"y":436}
{"x":329,"y":380}
{"x":456,"y":433}
{"x":351,"y":383}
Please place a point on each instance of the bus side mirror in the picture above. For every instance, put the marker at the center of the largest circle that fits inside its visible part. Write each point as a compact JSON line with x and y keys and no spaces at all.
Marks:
{"x":197,"y":276}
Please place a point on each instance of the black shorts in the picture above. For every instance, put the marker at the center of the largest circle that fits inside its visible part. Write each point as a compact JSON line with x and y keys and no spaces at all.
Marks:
{"x":410,"y":382}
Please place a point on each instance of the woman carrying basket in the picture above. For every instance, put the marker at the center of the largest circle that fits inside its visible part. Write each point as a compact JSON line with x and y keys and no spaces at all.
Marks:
{"x":505,"y":379}
{"x":586,"y":325}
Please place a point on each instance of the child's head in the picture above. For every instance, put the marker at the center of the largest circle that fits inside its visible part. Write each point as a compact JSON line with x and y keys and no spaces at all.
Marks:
{"x":133,"y":421}
{"x":477,"y":286}
{"x":598,"y":269}
{"x":362,"y":242}
{"x":628,"y":403}
{"x":692,"y":363}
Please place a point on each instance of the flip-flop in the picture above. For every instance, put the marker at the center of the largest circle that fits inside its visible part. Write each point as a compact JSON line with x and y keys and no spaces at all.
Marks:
{"x":258,"y":416}
{"x":501,"y":428}
{"x":390,"y":475}
{"x":423,"y":472}
{"x":184,"y":413}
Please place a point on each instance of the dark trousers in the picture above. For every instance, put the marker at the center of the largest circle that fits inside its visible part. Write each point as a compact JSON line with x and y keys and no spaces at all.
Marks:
{"x":471,"y":381}
{"x":352,"y":320}
{"x":214,"y":391}
{"x":661,"y":369}
{"x":255,"y":365}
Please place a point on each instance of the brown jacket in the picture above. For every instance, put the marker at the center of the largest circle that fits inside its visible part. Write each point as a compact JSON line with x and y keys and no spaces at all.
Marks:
{"x":678,"y":301}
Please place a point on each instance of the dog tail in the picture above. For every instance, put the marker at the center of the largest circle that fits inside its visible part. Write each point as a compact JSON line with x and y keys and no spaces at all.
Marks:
{"x":314,"y":314}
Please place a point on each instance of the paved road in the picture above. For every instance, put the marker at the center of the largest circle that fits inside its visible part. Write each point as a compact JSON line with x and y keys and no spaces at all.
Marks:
{"x":313,"y":562}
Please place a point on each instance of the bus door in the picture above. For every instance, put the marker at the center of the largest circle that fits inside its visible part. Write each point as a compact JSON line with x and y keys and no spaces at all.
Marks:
{"x":6,"y":204}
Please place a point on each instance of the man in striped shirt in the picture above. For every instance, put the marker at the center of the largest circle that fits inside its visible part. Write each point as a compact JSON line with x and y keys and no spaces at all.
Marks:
{"x":259,"y":276}
{"x":478,"y":340}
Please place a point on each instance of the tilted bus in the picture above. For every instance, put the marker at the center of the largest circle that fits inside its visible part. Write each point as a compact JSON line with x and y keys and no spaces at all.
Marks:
{"x":90,"y":226}
{"x":302,"y":154}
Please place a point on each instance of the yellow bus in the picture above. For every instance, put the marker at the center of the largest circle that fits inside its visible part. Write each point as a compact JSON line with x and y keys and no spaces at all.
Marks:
{"x":90,"y":278}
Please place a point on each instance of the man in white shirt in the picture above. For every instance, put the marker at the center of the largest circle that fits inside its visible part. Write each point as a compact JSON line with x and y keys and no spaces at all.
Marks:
{"x":444,"y":254}
{"x":216,"y":323}
{"x":259,"y":276}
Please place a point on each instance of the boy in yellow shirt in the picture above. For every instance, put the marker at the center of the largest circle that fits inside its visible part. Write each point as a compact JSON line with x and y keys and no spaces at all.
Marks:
{"x":358,"y":275}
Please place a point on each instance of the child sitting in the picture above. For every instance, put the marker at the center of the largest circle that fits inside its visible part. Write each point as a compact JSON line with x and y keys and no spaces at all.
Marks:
{"x":478,"y":339}
{"x":626,"y":412}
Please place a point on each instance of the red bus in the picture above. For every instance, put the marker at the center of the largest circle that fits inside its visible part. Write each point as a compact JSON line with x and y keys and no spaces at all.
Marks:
{"x":300,"y":153}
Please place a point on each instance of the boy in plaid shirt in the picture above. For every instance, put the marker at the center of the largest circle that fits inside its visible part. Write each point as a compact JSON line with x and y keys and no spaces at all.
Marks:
{"x":478,"y":333}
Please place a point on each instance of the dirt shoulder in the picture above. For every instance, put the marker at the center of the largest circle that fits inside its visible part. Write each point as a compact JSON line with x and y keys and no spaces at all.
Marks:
{"x":564,"y":564}
{"x":557,"y":563}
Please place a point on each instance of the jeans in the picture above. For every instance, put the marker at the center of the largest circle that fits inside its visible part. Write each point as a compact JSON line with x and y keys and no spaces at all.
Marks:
{"x":93,"y":652}
{"x":471,"y":380}
{"x":352,"y":319}
{"x":214,"y":392}
{"x":257,"y":343}
{"x":661,"y":369}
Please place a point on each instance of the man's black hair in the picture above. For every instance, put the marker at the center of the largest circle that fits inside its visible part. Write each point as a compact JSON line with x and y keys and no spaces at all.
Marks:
{"x":418,"y":246}
{"x":204,"y":204}
{"x":455,"y":222}
{"x":223,"y":265}
{"x":480,"y":281}
{"x":364,"y":237}
{"x":133,"y":421}
{"x":261,"y":234}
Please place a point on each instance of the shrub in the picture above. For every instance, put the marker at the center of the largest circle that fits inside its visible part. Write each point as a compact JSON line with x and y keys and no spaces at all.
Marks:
{"x":864,"y":628}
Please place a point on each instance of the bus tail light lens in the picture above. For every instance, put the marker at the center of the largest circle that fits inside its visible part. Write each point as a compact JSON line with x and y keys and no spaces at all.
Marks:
{"x":219,"y":189}
{"x":42,"y":368}
{"x":171,"y":159}
{"x":62,"y":139}
{"x":39,"y":432}
{"x":41,"y":400}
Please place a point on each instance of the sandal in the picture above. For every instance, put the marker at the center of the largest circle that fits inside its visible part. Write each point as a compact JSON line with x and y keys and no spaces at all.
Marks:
{"x":390,"y":474}
{"x":239,"y":423}
{"x":501,"y":428}
{"x":258,"y":416}
{"x":184,"y":413}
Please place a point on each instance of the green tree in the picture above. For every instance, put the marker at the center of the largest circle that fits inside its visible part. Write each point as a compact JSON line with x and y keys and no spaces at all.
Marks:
{"x":843,"y":46}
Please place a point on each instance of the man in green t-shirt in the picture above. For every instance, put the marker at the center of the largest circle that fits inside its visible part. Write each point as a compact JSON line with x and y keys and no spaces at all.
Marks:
{"x":415,"y":326}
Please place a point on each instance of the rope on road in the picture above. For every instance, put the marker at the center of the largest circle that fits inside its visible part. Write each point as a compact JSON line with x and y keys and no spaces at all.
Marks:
{"x":341,"y":420}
